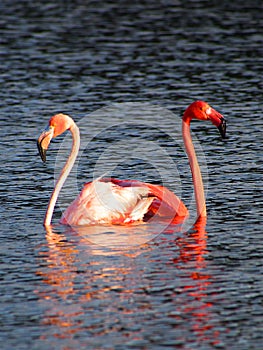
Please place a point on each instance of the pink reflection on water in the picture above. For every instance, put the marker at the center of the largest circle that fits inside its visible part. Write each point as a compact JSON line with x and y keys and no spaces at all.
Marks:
{"x":64,"y":263}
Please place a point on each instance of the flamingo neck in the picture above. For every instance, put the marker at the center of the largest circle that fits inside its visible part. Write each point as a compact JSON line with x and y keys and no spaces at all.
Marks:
{"x":195,"y":169}
{"x":64,"y":173}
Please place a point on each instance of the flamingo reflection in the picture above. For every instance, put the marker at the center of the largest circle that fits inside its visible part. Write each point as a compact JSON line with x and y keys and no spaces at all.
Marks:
{"x":75,"y":279}
{"x":193,"y":248}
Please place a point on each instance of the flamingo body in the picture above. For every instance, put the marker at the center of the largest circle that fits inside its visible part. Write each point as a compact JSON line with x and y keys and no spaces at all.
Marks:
{"x":113,"y":201}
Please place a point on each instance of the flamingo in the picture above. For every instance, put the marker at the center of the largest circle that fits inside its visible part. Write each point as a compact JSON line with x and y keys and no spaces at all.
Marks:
{"x":112,"y":201}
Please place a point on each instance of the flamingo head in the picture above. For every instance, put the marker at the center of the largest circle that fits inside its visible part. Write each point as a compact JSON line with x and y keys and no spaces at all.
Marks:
{"x":57,"y":125}
{"x":202,"y":111}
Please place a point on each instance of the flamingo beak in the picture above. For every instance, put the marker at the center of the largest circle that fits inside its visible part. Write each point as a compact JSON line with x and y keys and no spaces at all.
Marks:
{"x":219,"y":121}
{"x":44,"y":141}
{"x":222,"y":127}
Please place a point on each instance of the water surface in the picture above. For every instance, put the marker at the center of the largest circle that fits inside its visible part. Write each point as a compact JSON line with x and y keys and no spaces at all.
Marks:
{"x":200,"y":289}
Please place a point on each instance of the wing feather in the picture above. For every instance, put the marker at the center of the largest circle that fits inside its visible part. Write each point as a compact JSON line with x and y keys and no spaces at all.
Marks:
{"x":112,"y":201}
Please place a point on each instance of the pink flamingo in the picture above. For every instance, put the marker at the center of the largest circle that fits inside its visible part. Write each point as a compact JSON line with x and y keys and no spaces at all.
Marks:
{"x":112,"y":201}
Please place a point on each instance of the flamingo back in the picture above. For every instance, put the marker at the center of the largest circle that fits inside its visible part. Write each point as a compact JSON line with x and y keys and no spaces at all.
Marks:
{"x":112,"y":201}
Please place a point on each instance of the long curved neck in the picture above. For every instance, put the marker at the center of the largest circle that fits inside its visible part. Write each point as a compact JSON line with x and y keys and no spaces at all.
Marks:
{"x":64,"y":173}
{"x":195,"y":169}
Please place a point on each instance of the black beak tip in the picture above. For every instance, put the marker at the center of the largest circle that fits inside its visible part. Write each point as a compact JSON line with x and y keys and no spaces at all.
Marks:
{"x":42,"y":152}
{"x":44,"y":156}
{"x":222,"y":128}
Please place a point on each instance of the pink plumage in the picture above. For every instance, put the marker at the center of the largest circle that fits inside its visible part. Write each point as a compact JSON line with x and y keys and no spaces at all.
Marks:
{"x":113,"y":201}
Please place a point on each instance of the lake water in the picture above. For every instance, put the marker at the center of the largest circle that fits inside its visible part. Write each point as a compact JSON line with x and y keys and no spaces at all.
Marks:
{"x":126,"y":72}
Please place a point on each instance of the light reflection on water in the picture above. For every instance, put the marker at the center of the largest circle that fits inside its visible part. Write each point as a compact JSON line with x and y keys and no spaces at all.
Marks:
{"x":82,"y":274}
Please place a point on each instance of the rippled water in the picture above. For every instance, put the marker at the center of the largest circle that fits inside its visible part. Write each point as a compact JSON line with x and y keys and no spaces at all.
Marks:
{"x":66,"y":289}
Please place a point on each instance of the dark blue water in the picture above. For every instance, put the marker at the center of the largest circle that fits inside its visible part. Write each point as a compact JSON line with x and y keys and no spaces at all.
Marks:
{"x":155,"y":288}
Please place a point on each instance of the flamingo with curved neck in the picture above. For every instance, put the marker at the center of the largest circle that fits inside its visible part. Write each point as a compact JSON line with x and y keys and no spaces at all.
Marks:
{"x":112,"y":201}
